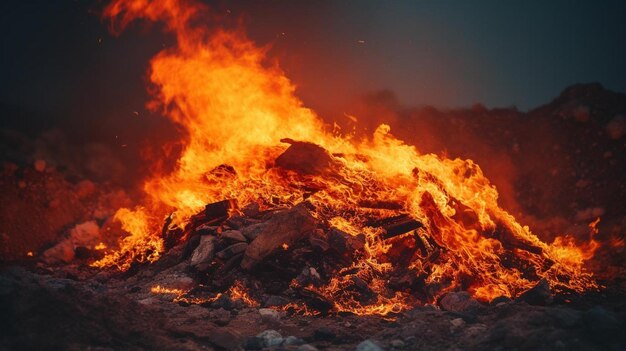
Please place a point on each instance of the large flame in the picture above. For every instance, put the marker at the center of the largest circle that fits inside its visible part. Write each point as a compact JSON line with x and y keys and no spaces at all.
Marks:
{"x":235,"y":106}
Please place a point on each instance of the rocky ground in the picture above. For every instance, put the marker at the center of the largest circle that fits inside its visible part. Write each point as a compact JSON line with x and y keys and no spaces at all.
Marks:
{"x":76,"y":308}
{"x":566,"y":160}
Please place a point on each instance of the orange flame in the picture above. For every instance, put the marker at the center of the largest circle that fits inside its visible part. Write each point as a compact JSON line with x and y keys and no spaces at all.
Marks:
{"x":238,"y":292}
{"x":234,"y":106}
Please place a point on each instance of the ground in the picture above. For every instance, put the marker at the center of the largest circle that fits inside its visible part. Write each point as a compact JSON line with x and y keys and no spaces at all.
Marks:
{"x":77,"y":308}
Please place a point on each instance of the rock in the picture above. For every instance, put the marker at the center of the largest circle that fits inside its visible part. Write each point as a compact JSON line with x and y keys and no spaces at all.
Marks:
{"x":270,"y":338}
{"x":226,"y":338}
{"x":63,"y":252}
{"x":205,"y":251}
{"x":368,"y":345}
{"x":292,"y":340}
{"x":306,"y":158}
{"x":284,"y":227}
{"x":233,"y":235}
{"x":232,"y":250}
{"x":251,"y":210}
{"x":220,"y":210}
{"x":252,"y":231}
{"x":397,"y":343}
{"x":344,"y":242}
{"x":220,"y":317}
{"x":500,"y":300}
{"x":324,"y":334}
{"x":457,"y":322}
{"x":190,"y":246}
{"x":269,"y":315}
{"x":306,"y":347}
{"x":254,"y":343}
{"x":224,"y":301}
{"x":275,"y":300}
{"x":539,"y":295}
{"x":207,"y":229}
{"x":460,"y":302}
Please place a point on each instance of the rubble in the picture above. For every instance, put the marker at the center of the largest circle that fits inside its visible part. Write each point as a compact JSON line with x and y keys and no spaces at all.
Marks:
{"x":283,"y":228}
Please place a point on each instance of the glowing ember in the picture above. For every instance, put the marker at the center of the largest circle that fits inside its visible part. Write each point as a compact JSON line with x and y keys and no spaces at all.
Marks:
{"x":180,"y":295}
{"x":238,"y":292}
{"x":235,"y":106}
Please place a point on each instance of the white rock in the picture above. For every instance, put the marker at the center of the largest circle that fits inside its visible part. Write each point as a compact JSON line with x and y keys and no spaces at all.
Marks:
{"x":368,"y":345}
{"x":270,"y":338}
{"x":205,"y":251}
{"x":269,"y":315}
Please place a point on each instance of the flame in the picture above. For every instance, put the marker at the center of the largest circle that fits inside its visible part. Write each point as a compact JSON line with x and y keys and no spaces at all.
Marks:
{"x":238,"y":292}
{"x":180,"y":295}
{"x":234,"y":106}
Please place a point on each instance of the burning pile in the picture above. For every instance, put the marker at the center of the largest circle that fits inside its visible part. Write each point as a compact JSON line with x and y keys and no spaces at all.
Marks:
{"x":369,"y":226}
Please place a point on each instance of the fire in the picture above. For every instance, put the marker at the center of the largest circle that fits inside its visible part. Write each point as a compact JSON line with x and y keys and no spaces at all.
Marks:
{"x":238,"y":292}
{"x":180,"y":295}
{"x":235,"y":105}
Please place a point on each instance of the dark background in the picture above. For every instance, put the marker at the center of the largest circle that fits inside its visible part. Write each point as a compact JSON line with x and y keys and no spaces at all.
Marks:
{"x":60,"y":67}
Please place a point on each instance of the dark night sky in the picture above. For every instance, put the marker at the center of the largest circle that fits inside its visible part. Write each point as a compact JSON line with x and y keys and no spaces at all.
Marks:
{"x":59,"y":63}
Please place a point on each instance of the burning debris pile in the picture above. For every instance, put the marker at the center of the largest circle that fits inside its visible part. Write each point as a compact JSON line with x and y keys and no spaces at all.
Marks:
{"x":307,"y":255}
{"x":268,"y":212}
{"x":368,"y":226}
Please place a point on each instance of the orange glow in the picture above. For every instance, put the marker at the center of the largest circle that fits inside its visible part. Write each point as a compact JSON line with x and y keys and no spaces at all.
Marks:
{"x":100,"y":246}
{"x":234,"y":106}
{"x":180,"y":295}
{"x":238,"y":293}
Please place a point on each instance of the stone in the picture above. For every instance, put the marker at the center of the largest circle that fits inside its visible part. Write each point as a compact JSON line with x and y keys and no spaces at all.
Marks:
{"x":251,"y":210}
{"x":397,"y":343}
{"x":368,"y":345}
{"x":221,"y":317}
{"x":269,"y":315}
{"x":253,"y":343}
{"x":205,"y":251}
{"x":270,"y":338}
{"x":460,"y":302}
{"x":226,"y":338}
{"x":284,"y":227}
{"x":457,"y":322}
{"x":252,"y":231}
{"x":232,"y":250}
{"x":324,"y":334}
{"x":292,"y":340}
{"x":306,"y":347}
{"x":539,"y":295}
{"x":233,"y":235}
{"x":500,"y":300}
{"x":306,"y":158}
{"x":275,"y":300}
